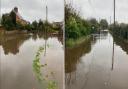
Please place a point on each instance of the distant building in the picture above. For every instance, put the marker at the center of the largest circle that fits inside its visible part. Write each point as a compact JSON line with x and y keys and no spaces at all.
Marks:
{"x":58,"y":24}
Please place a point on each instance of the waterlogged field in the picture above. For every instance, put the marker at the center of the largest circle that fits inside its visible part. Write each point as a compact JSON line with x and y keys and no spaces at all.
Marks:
{"x":31,"y":61}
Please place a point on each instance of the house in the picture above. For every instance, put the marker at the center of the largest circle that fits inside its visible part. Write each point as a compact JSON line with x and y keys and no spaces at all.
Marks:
{"x":57,"y":25}
{"x":18,"y":17}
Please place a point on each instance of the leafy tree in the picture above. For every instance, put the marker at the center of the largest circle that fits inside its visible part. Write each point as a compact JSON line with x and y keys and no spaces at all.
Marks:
{"x":34,"y":25}
{"x":94,"y":25}
{"x":41,"y":25}
{"x":103,"y":24}
{"x":13,"y":17}
{"x":72,"y":30}
{"x":119,"y":30}
{"x":7,"y":22}
{"x":75,"y":26}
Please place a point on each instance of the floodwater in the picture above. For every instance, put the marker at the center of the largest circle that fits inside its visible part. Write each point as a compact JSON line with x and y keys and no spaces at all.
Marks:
{"x":90,"y":64}
{"x":17,"y":55}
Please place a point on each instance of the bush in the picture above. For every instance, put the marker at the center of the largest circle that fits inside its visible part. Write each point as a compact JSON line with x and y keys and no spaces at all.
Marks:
{"x":120,"y":30}
{"x":7,"y":22}
{"x":75,"y":26}
{"x":103,"y":24}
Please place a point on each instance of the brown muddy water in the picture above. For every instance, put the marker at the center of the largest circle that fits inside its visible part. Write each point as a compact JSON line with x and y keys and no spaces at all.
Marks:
{"x":17,"y":55}
{"x":90,"y":65}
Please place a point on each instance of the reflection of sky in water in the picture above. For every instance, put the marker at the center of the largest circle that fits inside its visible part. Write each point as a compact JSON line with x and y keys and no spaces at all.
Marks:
{"x":94,"y":69}
{"x":19,"y":66}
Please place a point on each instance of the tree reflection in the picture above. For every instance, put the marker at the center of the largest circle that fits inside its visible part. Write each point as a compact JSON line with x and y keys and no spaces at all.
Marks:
{"x":122,"y":43}
{"x":72,"y":57}
{"x":11,"y":42}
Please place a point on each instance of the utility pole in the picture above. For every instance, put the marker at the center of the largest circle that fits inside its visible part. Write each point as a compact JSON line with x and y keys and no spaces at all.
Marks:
{"x":110,"y":20}
{"x":46,"y":13}
{"x":0,"y":13}
{"x":46,"y":30}
{"x":113,"y":37}
{"x":114,"y":11}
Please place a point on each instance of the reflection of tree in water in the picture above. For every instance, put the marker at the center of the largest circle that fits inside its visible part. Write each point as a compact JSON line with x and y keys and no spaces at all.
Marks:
{"x":121,"y":43}
{"x":101,"y":36}
{"x":60,"y":38}
{"x":72,"y":55}
{"x":1,"y":35}
{"x":34,"y":37}
{"x":46,"y":36}
{"x":12,"y":42}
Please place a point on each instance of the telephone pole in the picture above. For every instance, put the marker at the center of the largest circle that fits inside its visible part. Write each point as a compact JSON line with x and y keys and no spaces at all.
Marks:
{"x":0,"y":13}
{"x":46,"y":13}
{"x":110,"y":20}
{"x":113,"y":37}
{"x":46,"y":28}
{"x":114,"y":11}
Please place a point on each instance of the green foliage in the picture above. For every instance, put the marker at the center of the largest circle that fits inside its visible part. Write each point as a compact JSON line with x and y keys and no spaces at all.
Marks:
{"x":75,"y":26}
{"x":72,"y":30}
{"x":74,"y":42}
{"x":70,"y":42}
{"x":52,"y":85}
{"x":120,"y":30}
{"x":7,"y":22}
{"x":41,"y":25}
{"x":34,"y":25}
{"x":94,"y":25}
{"x":37,"y":67}
{"x":28,"y":27}
{"x":103,"y":24}
{"x":12,"y":15}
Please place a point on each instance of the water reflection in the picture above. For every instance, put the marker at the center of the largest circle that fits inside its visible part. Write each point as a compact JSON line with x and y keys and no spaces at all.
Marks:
{"x":123,"y":44}
{"x":17,"y":59}
{"x":89,"y":66}
{"x":72,"y":55}
{"x":12,"y":42}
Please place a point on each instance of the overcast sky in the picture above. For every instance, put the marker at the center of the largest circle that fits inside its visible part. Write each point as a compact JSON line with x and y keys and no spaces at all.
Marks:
{"x":35,"y":9}
{"x":102,"y":9}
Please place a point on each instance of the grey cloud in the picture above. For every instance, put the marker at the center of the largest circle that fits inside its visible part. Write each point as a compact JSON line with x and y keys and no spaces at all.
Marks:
{"x":102,"y":9}
{"x":36,"y":9}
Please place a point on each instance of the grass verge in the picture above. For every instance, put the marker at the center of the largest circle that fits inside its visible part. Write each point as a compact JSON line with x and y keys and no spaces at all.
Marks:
{"x":74,"y":42}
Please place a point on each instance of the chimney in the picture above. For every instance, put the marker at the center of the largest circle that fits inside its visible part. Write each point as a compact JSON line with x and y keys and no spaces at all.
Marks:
{"x":16,"y":9}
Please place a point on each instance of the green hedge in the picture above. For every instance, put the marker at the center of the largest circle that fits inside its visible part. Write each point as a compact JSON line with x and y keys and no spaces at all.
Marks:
{"x":75,"y":26}
{"x":120,"y":30}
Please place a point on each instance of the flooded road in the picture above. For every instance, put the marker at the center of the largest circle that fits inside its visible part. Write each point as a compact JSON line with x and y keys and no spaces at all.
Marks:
{"x":90,"y":65}
{"x":17,"y":55}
